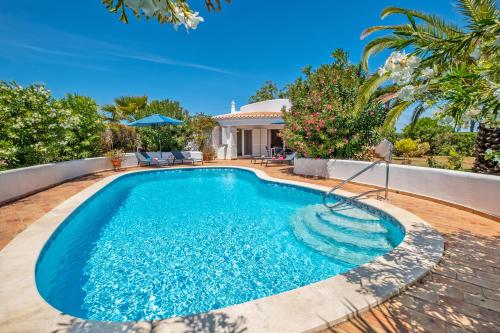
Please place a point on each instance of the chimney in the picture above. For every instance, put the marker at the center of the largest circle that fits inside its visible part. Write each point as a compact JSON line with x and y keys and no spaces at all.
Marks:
{"x":233,"y":107}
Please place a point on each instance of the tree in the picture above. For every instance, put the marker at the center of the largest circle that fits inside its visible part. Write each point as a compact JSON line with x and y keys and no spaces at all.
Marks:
{"x":131,"y":108}
{"x":125,"y":108}
{"x":202,"y":126}
{"x":456,"y":70}
{"x":175,"y":12}
{"x":36,"y":128}
{"x":321,"y":123}
{"x":171,"y":137}
{"x":429,"y":130}
{"x":269,"y":90}
{"x":85,"y":136}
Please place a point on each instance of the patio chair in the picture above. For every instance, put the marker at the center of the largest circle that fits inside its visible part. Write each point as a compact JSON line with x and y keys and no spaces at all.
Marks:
{"x":179,"y":157}
{"x":288,"y":160}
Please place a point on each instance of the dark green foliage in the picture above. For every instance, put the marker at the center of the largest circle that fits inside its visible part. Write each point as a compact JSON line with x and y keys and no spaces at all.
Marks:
{"x":463,"y":143}
{"x":321,"y":123}
{"x":269,"y":90}
{"x":441,"y":138}
{"x":428,"y":130}
{"x":84,"y":138}
{"x":36,"y":128}
{"x":119,"y":136}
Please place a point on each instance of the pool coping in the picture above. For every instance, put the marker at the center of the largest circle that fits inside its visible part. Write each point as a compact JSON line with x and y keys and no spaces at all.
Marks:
{"x":306,"y":309}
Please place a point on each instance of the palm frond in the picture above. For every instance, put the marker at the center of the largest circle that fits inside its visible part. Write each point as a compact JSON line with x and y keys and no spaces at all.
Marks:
{"x":447,"y":28}
{"x":381,"y":43}
{"x":417,"y":112}
{"x":370,"y":30}
{"x":478,"y":10}
{"x":366,"y":91}
{"x":394,"y":114}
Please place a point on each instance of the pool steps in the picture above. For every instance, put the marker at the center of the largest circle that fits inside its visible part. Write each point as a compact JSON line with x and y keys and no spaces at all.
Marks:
{"x":343,"y":238}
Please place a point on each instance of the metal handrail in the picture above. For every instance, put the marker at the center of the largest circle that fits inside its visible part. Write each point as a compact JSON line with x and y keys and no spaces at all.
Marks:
{"x":333,"y":189}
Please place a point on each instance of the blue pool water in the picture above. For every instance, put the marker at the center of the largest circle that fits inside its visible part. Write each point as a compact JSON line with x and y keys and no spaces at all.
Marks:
{"x":168,"y":243}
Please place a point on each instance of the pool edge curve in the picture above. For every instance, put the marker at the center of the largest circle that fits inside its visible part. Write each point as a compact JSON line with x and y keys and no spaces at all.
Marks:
{"x":306,"y":309}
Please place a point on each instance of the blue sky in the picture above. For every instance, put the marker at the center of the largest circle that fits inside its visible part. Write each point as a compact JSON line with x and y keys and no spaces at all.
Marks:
{"x":77,"y":46}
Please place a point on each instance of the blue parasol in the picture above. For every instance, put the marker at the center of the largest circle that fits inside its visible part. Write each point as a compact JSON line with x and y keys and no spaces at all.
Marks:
{"x":156,"y":120}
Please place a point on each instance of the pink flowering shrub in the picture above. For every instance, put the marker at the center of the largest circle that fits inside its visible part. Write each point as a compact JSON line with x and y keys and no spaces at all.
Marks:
{"x":321,"y":123}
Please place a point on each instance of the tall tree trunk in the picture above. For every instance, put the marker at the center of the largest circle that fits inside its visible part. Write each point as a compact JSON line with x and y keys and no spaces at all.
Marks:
{"x":487,"y":138}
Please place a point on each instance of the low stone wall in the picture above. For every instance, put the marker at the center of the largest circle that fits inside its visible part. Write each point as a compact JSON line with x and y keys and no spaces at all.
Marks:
{"x":471,"y":190}
{"x":20,"y":182}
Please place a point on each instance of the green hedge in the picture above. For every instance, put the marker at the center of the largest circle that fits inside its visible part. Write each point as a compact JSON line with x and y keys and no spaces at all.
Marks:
{"x":463,"y":143}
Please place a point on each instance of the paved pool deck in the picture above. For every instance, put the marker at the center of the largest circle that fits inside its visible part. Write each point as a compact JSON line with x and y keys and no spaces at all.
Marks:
{"x":461,"y":294}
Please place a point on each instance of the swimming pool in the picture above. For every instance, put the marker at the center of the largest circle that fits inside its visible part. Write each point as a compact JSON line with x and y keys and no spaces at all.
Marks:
{"x":160,"y":244}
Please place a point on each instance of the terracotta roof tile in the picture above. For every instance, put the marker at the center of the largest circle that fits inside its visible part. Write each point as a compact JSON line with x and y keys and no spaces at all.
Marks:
{"x":249,"y":115}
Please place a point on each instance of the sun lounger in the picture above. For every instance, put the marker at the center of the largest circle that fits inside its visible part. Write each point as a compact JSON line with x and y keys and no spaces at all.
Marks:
{"x":144,"y":159}
{"x":180,"y":157}
{"x":288,"y":160}
{"x":261,"y":159}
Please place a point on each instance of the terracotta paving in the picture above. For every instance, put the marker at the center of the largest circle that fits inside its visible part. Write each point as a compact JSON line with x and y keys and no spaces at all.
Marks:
{"x":461,"y":294}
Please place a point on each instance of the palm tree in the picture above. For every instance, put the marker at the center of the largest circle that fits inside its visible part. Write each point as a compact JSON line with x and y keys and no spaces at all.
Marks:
{"x":125,"y":108}
{"x":457,"y":69}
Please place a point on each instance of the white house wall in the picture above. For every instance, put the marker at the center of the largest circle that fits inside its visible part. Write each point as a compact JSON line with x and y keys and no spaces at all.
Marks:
{"x":269,"y":105}
{"x":457,"y":187}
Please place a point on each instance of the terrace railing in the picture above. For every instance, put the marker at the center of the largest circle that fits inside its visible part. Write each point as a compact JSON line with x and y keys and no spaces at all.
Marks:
{"x":384,"y":151}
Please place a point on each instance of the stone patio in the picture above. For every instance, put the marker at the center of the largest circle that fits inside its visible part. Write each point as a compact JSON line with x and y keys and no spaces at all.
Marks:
{"x":462,"y":294}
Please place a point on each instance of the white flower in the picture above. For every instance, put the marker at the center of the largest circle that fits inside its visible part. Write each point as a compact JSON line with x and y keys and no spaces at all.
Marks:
{"x":187,"y":18}
{"x":148,"y":7}
{"x":413,"y":62}
{"x":400,"y":66}
{"x":401,"y":77}
{"x":427,"y":73}
{"x":406,"y":93}
{"x":382,"y":71}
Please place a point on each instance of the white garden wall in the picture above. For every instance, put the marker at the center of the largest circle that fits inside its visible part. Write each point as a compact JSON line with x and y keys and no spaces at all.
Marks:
{"x":476,"y":191}
{"x":17,"y":183}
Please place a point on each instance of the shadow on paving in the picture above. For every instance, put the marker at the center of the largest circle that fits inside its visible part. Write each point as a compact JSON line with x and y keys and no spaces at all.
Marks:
{"x":214,"y":322}
{"x":470,"y":267}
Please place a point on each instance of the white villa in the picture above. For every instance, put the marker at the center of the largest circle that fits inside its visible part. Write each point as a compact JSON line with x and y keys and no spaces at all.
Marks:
{"x":251,"y":131}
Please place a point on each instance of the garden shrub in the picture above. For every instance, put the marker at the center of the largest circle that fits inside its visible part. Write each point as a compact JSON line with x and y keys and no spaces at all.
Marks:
{"x":321,"y":123}
{"x":36,"y":128}
{"x":201,"y":132}
{"x":455,"y":160}
{"x":84,"y":138}
{"x":119,"y":136}
{"x":422,"y":149}
{"x":405,"y":147}
{"x":441,"y":138}
{"x":428,"y":130}
{"x":463,"y":143}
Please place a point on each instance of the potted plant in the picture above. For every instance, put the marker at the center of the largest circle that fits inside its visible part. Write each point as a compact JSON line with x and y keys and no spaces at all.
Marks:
{"x":116,"y":156}
{"x":208,"y":153}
